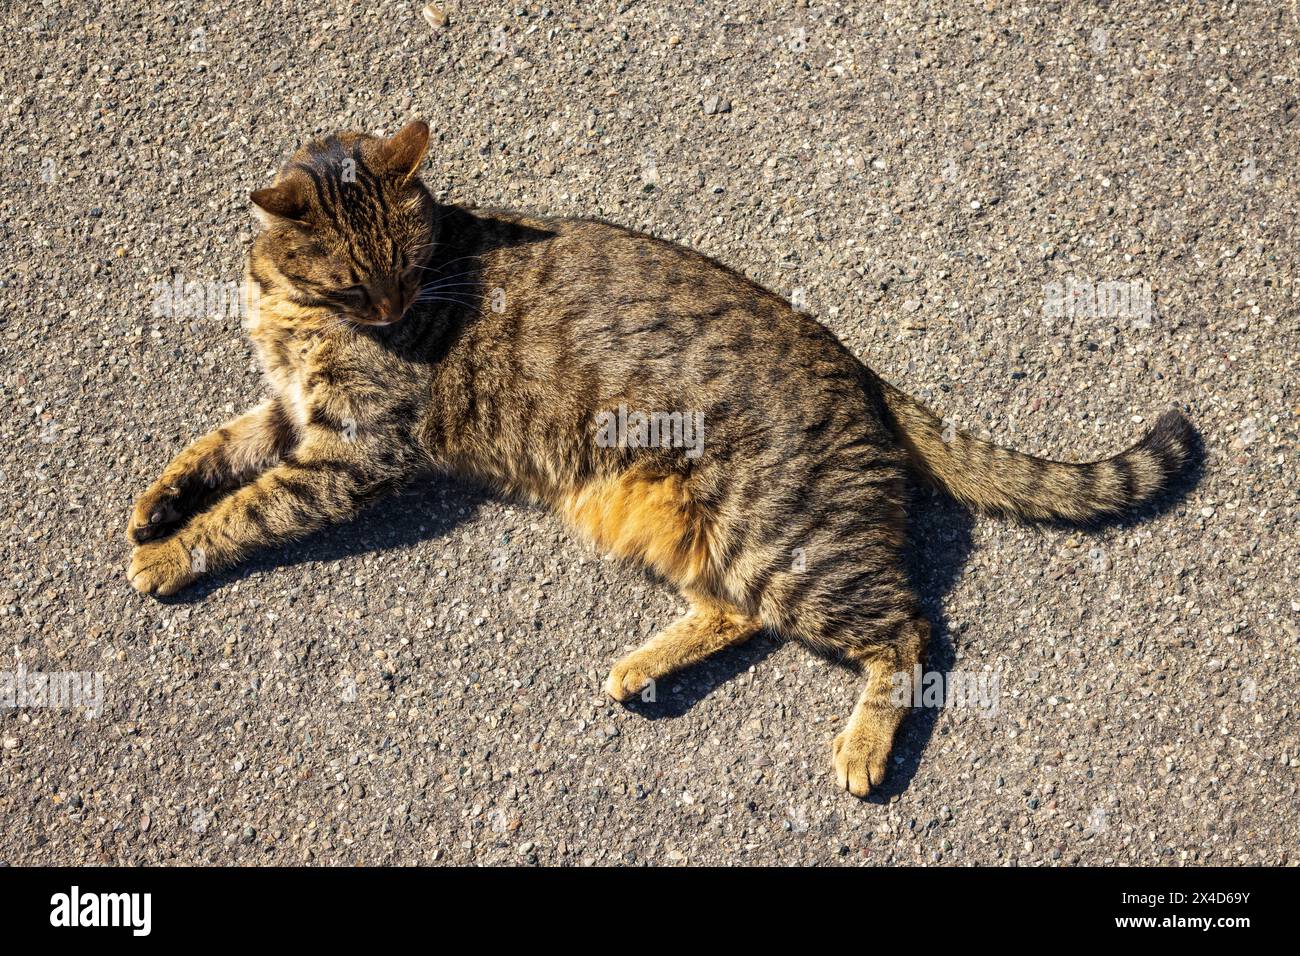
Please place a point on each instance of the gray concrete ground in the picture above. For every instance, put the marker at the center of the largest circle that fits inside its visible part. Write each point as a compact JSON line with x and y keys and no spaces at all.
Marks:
{"x":1059,"y":219}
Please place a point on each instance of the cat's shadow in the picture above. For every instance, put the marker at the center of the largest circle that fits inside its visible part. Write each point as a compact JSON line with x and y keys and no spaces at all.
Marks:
{"x":939,"y":540}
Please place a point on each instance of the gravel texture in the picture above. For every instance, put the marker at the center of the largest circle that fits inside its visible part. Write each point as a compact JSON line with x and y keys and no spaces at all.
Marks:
{"x":425,"y":684}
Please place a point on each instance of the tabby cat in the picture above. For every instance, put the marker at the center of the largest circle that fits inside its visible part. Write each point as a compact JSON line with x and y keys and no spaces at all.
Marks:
{"x":400,"y":335}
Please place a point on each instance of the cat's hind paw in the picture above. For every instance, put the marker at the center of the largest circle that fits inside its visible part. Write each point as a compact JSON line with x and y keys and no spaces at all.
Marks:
{"x":860,"y":756}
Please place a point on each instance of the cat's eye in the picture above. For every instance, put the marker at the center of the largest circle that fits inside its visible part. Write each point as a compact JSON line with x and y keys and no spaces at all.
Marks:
{"x":352,"y":293}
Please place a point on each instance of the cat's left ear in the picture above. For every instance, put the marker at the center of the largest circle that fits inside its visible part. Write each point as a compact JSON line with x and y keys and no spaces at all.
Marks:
{"x":404,"y":152}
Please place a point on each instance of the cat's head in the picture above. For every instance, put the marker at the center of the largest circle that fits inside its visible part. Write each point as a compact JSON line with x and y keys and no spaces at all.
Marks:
{"x":349,"y":226}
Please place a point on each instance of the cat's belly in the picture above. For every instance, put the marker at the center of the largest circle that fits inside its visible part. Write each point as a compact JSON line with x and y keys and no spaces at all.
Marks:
{"x":643,"y":517}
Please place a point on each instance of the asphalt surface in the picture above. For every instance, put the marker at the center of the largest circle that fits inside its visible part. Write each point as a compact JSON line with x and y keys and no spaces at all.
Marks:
{"x":425,"y":684}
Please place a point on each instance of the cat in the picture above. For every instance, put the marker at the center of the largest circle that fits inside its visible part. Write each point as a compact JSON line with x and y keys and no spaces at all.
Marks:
{"x":400,"y":335}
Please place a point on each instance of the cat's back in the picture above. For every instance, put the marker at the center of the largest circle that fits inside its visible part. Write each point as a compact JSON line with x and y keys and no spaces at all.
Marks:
{"x":635,"y":308}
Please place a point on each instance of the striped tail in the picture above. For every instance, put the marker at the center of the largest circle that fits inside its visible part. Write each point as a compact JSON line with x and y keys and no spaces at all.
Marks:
{"x":1001,"y":481}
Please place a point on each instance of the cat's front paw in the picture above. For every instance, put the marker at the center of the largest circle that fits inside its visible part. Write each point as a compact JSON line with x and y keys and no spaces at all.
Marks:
{"x":156,"y":514}
{"x":627,"y":679}
{"x":163,"y":567}
{"x":167,"y":505}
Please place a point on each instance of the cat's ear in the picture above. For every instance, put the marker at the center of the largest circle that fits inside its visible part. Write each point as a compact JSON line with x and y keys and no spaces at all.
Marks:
{"x":404,"y":152}
{"x":284,"y":200}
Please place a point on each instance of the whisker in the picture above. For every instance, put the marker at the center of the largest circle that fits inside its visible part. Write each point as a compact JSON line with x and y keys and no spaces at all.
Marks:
{"x":460,"y":275}
{"x":440,"y":286}
{"x":449,"y":285}
{"x":428,"y":289}
{"x":443,"y":265}
{"x":459,"y":302}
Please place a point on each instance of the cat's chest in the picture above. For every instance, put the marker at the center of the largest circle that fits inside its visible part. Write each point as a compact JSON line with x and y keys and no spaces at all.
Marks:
{"x":288,"y":369}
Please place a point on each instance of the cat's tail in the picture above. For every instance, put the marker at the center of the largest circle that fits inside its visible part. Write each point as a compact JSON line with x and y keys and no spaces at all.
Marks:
{"x":1001,"y":481}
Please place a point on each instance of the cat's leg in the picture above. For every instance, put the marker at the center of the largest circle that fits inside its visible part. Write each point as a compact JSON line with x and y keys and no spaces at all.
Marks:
{"x":848,"y":596}
{"x":214,"y":464}
{"x":860,"y":753}
{"x":703,"y":631}
{"x":652,"y":518}
{"x":327,"y":478}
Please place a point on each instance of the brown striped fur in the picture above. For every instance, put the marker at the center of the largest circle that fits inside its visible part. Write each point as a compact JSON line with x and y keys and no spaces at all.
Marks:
{"x":997,"y":480}
{"x":399,"y":335}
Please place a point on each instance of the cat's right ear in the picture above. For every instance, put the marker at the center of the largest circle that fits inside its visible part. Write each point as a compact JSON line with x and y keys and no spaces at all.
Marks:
{"x":284,"y":200}
{"x":404,"y":153}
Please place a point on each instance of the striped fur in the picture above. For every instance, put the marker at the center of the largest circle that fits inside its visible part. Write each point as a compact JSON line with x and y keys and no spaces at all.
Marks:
{"x":399,"y":336}
{"x":997,"y":480}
